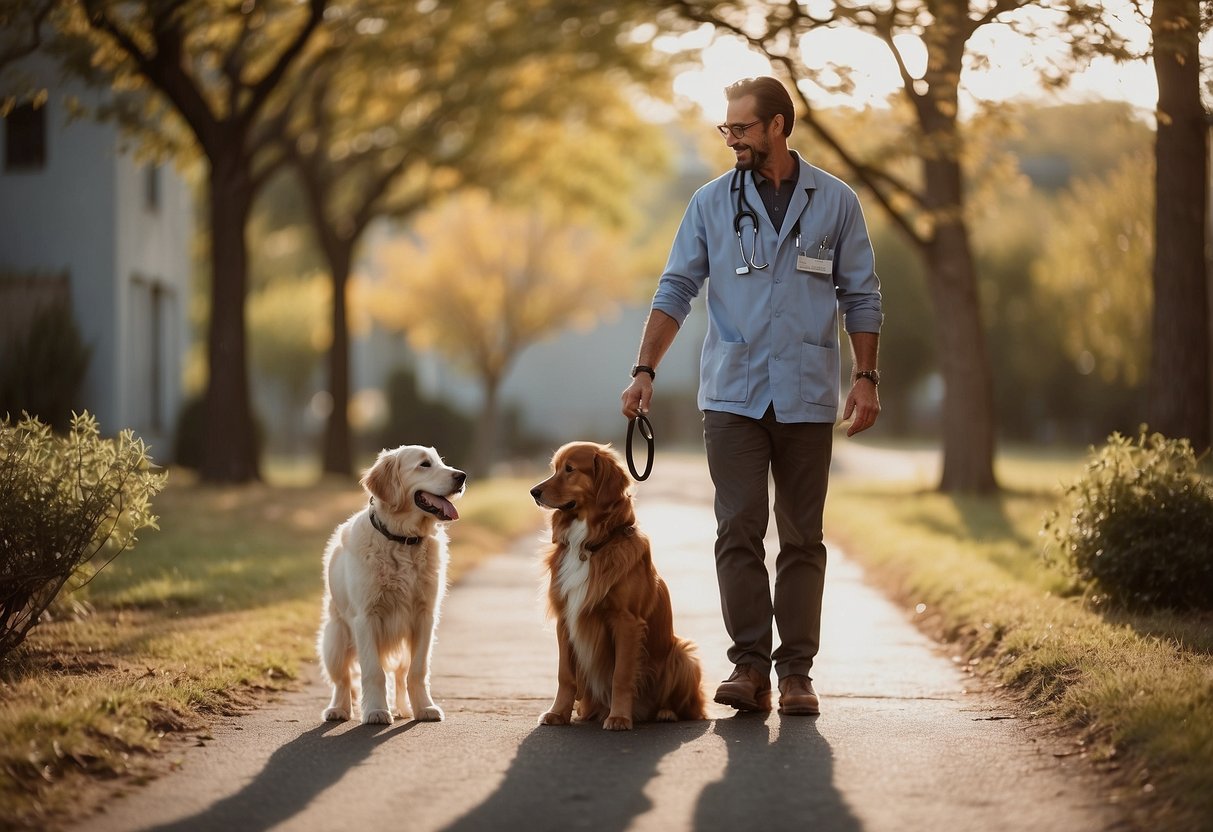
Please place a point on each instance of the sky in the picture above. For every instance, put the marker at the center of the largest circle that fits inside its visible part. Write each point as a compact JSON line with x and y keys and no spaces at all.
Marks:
{"x":1012,"y":71}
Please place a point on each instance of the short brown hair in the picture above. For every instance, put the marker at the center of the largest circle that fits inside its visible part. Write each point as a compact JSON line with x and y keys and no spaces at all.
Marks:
{"x":771,"y":98}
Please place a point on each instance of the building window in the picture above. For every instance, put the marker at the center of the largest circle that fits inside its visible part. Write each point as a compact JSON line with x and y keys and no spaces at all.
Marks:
{"x":160,"y":301}
{"x":151,"y":188}
{"x":25,"y":138}
{"x":151,"y":354}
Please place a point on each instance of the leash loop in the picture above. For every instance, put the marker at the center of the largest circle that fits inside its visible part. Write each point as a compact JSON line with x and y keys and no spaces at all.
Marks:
{"x":646,"y":430}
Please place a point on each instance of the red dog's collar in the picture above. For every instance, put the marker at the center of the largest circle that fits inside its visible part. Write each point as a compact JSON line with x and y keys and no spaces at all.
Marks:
{"x":625,"y":529}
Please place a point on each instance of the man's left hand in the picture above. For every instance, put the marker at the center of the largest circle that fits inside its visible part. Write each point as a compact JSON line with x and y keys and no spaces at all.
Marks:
{"x":863,"y":404}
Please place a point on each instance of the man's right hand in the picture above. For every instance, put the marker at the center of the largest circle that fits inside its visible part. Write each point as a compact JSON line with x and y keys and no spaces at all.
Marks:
{"x":637,"y":397}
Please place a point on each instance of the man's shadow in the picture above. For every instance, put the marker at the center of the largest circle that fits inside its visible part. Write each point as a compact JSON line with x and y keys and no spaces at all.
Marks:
{"x":785,"y":784}
{"x":292,"y":777}
{"x":564,"y":776}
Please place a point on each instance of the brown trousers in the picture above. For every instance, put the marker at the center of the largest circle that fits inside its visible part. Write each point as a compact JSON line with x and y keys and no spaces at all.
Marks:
{"x":742,"y":453}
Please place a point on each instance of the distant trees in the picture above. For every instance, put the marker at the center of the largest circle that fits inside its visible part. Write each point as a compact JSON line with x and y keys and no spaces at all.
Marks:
{"x":408,"y":101}
{"x":1062,"y":245}
{"x":485,"y":281}
{"x":1092,"y":271}
{"x":288,"y":337}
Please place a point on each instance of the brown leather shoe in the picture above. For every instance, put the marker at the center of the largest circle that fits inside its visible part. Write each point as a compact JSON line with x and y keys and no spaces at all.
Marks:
{"x":747,"y":689}
{"x":797,"y":697}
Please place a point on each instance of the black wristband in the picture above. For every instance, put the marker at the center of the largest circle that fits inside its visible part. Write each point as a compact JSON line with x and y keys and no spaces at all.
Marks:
{"x":642,"y":368}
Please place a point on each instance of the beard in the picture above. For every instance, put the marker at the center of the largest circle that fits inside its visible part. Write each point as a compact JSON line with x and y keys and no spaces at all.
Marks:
{"x":758,"y":157}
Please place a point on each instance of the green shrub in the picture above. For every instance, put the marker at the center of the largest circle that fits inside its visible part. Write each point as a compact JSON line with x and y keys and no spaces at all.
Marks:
{"x":1136,"y":529}
{"x":64,"y":500}
{"x":41,"y":372}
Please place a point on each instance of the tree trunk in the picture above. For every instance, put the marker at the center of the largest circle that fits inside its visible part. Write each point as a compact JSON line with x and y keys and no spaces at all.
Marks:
{"x":1180,"y":365}
{"x":968,"y":403}
{"x":338,"y":455}
{"x":230,"y":442}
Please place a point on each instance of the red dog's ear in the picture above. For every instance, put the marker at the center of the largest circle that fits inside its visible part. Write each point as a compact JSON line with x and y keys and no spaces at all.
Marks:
{"x":382,"y":479}
{"x":611,"y":482}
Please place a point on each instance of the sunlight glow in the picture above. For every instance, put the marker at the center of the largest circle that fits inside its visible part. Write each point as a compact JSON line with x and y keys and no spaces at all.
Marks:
{"x":724,"y":60}
{"x":859,"y":71}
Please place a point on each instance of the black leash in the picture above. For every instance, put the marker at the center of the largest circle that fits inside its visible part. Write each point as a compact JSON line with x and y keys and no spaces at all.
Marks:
{"x":646,"y":430}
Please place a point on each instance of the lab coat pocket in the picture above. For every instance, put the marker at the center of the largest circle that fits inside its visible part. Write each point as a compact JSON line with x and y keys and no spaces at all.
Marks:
{"x":728,"y":372}
{"x":818,"y":368}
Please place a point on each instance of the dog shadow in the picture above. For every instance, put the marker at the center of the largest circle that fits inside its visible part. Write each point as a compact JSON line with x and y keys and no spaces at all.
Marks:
{"x":784,"y":784}
{"x":292,"y":777}
{"x":563,"y":775}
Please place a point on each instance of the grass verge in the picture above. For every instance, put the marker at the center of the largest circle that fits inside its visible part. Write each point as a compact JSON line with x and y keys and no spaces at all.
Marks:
{"x":1137,"y":690}
{"x":204,"y":617}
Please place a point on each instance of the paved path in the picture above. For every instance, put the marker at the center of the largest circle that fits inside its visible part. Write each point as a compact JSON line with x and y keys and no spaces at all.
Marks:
{"x":900,"y":744}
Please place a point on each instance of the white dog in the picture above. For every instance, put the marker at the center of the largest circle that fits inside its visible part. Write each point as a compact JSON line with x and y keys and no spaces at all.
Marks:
{"x":385,"y":575}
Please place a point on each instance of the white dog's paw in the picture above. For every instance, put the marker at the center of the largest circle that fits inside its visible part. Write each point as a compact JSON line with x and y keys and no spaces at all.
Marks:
{"x":378,"y":716}
{"x":431,"y":714}
{"x":335,"y":715}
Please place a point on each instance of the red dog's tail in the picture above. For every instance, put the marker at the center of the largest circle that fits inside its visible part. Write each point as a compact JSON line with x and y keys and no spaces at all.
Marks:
{"x":680,"y":688}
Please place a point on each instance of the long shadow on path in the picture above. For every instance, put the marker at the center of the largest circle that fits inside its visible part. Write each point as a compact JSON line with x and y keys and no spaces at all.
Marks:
{"x":785,"y":784}
{"x":579,"y":776}
{"x":293,"y":776}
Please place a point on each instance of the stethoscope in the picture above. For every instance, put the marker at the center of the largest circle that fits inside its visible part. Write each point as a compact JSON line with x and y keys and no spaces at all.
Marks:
{"x":743,"y":213}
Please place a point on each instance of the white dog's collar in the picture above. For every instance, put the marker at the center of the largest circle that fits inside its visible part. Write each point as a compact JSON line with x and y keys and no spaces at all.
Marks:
{"x":382,"y":529}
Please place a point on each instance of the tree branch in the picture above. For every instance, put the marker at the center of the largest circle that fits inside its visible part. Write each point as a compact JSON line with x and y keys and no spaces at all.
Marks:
{"x":162,"y":70}
{"x":879,"y":183}
{"x":876,"y":181}
{"x":993,"y":13}
{"x":233,"y":65}
{"x":260,"y":91}
{"x":24,"y":47}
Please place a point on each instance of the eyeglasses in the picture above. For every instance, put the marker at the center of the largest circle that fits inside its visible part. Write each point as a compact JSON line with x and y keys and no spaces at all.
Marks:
{"x":738,"y":130}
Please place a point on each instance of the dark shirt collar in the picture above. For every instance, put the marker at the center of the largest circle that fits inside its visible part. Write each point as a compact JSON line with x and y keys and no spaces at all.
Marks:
{"x":759,"y":179}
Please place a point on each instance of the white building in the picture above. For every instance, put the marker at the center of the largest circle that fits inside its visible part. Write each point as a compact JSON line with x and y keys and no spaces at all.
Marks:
{"x":80,"y":216}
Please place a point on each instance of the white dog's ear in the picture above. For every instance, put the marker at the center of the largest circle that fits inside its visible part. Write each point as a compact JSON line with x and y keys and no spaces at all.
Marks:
{"x":383,"y":480}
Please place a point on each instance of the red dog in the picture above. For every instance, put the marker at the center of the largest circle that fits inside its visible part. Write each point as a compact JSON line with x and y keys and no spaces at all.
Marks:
{"x":619,"y":657}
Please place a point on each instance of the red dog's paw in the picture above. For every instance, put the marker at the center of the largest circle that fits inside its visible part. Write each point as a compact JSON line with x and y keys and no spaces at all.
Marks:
{"x":617,"y":723}
{"x":553,"y":718}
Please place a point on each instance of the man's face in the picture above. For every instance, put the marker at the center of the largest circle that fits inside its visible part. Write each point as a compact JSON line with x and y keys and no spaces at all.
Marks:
{"x":754,"y":146}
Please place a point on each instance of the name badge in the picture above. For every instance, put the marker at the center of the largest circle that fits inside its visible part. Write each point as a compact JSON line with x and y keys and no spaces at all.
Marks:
{"x":814,"y":265}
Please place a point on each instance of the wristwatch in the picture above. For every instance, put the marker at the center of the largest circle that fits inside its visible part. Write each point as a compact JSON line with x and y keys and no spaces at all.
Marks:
{"x":871,"y":375}
{"x":643,"y":368}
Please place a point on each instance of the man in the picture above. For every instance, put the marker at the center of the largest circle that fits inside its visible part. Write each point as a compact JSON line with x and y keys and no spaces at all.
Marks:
{"x":781,"y":246}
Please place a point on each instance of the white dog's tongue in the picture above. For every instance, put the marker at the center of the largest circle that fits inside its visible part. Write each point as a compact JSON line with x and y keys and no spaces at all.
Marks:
{"x":445,"y":508}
